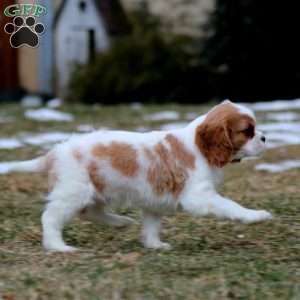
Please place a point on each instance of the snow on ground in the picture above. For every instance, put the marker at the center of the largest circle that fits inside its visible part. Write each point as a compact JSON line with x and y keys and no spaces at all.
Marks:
{"x":55,"y":103}
{"x":136,"y":105}
{"x":283,"y":116}
{"x":85,"y":128}
{"x":274,"y":105}
{"x":5,"y":166}
{"x":190,"y":116}
{"x":142,"y":129}
{"x":172,"y":126}
{"x":46,"y":114}
{"x":281,"y":133}
{"x":284,"y":128}
{"x":279,"y":167}
{"x":41,"y":140}
{"x":162,"y":116}
{"x":46,"y":138}
{"x":31,"y":101}
{"x":280,"y":126}
{"x":277,"y":139}
{"x":10,"y":143}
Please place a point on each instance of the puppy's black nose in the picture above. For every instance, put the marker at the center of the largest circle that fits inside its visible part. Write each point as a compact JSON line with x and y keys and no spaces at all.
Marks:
{"x":263,"y":138}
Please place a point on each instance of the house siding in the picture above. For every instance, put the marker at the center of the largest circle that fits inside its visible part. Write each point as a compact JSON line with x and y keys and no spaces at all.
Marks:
{"x":9,"y":78}
{"x":71,"y":38}
{"x":28,"y":66}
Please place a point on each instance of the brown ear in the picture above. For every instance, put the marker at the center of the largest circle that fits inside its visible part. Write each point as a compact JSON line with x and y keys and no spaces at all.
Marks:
{"x":213,"y":140}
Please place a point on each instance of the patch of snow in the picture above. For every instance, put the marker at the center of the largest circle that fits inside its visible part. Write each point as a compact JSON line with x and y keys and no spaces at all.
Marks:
{"x":136,"y":105}
{"x":274,"y":105}
{"x":55,"y":103}
{"x":142,"y":129}
{"x":279,"y":167}
{"x":190,"y":116}
{"x":285,"y":137}
{"x":31,"y":101}
{"x":280,"y":126}
{"x":281,"y":133}
{"x":46,"y":114}
{"x":85,"y":128}
{"x":276,"y":139}
{"x":46,"y":138}
{"x":5,"y":167}
{"x":283,"y":116}
{"x":163,"y":115}
{"x":173,"y":126}
{"x":10,"y":143}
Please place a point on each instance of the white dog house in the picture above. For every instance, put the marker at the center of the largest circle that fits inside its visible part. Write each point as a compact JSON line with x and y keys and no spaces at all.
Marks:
{"x":82,"y":28}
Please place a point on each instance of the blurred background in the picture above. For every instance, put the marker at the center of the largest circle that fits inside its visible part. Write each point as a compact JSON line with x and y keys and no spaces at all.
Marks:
{"x":114,"y":51}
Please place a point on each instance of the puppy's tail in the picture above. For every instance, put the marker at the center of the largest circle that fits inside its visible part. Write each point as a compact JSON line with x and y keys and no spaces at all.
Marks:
{"x":30,"y":166}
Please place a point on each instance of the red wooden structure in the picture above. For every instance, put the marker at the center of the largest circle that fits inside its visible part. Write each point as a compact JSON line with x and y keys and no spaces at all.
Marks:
{"x":9,"y":81}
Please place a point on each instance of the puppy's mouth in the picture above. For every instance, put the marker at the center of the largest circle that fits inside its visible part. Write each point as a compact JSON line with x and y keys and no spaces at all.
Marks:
{"x":236,"y":160}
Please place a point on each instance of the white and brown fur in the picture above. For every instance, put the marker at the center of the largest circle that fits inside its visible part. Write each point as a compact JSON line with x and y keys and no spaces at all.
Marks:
{"x":157,"y":172}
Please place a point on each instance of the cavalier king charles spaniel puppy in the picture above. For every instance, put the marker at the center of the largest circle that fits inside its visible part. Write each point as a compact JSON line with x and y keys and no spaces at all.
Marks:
{"x":158,"y":172}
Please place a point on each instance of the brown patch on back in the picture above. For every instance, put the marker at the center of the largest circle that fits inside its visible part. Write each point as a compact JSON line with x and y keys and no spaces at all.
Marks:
{"x":168,"y":169}
{"x":180,"y":152}
{"x":97,"y":180}
{"x":123,"y":157}
{"x":222,"y":134}
{"x":149,"y":154}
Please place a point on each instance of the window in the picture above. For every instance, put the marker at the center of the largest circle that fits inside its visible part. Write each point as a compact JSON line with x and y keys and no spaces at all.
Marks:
{"x":82,"y":6}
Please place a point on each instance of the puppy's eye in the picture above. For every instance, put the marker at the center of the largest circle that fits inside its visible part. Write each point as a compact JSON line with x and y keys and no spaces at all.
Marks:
{"x":249,"y":131}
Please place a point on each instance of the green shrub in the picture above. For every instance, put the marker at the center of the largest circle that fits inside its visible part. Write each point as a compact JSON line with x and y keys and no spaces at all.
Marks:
{"x":142,"y":66}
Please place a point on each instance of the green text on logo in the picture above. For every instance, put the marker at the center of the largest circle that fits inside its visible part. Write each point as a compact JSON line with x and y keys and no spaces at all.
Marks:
{"x":36,"y":10}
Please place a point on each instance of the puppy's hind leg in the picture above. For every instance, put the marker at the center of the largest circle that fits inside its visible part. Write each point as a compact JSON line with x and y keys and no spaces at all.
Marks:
{"x":150,"y":232}
{"x":64,"y":202}
{"x":96,"y":213}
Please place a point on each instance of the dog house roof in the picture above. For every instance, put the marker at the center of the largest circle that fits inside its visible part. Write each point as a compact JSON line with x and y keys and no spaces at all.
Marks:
{"x":111,"y":11}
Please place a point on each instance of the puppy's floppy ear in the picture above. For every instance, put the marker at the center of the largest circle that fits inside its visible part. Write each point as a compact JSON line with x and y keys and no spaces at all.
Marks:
{"x":213,"y":140}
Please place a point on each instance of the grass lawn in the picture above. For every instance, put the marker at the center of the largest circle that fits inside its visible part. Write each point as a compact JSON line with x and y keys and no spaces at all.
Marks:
{"x":210,"y":259}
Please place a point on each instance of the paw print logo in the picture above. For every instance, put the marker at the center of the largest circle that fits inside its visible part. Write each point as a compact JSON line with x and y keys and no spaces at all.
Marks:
{"x":24,"y":32}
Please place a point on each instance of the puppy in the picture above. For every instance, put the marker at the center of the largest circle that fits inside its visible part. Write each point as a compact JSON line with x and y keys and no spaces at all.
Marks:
{"x":157,"y":172}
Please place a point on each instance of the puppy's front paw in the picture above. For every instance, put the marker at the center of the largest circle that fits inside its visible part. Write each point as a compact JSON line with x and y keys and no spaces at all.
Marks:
{"x":157,"y":245}
{"x":255,"y":216}
{"x":64,"y":248}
